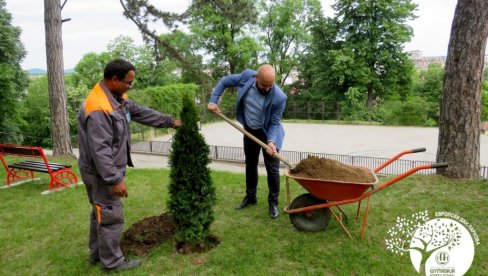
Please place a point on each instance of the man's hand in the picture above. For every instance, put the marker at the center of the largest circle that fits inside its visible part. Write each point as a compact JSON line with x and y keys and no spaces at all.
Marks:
{"x":271,"y":148}
{"x":213,"y":107}
{"x":177,"y":124}
{"x":120,"y":189}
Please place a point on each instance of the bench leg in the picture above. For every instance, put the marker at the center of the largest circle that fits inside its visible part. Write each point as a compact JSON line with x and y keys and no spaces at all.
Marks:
{"x":18,"y":174}
{"x":62,"y":179}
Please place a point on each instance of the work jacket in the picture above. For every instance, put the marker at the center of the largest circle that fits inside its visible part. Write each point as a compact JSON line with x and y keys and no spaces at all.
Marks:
{"x":273,"y":107}
{"x":104,"y":133}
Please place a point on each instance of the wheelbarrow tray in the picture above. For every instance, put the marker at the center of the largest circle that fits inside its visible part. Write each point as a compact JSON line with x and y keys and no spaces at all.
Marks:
{"x":331,"y":190}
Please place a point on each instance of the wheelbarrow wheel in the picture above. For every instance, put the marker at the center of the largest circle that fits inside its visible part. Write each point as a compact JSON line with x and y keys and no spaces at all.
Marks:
{"x":310,"y":221}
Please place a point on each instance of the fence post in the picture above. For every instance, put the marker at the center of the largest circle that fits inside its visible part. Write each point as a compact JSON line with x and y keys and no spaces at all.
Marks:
{"x":150,"y":146}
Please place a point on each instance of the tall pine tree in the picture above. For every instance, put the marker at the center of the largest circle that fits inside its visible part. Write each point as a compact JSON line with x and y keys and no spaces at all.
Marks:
{"x":192,"y":194}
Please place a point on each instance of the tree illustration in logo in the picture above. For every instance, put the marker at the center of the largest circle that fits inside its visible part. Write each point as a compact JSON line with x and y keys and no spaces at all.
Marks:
{"x":423,"y":235}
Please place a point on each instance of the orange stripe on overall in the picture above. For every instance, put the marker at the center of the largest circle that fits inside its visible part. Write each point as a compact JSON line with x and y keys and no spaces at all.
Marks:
{"x":98,"y":213}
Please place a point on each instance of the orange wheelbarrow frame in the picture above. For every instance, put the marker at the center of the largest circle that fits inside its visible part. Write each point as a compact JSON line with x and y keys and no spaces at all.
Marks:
{"x":337,"y":193}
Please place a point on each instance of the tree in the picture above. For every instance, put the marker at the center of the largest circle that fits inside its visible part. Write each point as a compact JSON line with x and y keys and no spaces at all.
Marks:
{"x":55,"y":72}
{"x":459,"y":124}
{"x":192,"y":194}
{"x":141,"y":12}
{"x":374,"y":32}
{"x":35,"y":114}
{"x":89,"y":70}
{"x":285,"y":26}
{"x":13,"y":80}
{"x":221,"y":27}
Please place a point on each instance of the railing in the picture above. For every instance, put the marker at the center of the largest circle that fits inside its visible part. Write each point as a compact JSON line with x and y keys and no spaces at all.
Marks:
{"x":236,"y":154}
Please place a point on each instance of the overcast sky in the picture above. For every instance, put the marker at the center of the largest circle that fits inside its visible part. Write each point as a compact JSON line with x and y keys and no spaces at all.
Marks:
{"x":94,"y":23}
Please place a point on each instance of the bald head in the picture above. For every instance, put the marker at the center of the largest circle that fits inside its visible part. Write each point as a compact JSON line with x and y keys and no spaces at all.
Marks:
{"x":265,"y":78}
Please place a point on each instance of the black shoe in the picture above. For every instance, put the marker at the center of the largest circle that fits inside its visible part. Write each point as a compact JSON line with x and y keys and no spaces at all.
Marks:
{"x":246,"y":202}
{"x":126,"y":265}
{"x":273,"y":211}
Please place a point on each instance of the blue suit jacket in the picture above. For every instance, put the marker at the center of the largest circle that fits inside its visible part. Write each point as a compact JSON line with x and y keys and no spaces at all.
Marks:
{"x":273,"y":107}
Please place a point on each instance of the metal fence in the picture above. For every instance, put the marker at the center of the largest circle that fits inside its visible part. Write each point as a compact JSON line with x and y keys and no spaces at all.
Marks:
{"x":236,"y":154}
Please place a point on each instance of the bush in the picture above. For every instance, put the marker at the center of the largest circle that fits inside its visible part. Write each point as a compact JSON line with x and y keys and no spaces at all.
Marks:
{"x":413,"y":112}
{"x":165,"y":99}
{"x":192,"y":194}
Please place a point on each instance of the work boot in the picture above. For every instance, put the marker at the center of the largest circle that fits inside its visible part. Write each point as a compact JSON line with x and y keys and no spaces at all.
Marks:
{"x":246,"y":202}
{"x":126,"y":265}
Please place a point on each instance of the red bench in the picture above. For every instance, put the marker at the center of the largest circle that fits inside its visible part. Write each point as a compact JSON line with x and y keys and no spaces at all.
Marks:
{"x":61,"y":175}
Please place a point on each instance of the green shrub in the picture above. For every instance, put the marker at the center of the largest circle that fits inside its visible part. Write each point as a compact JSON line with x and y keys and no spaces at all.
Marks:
{"x":413,"y":112}
{"x":192,"y":194}
{"x":165,"y":99}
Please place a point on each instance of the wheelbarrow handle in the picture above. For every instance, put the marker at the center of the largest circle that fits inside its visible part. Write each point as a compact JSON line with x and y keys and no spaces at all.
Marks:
{"x":439,"y":165}
{"x":418,"y":150}
{"x":255,"y":139}
{"x":391,"y":160}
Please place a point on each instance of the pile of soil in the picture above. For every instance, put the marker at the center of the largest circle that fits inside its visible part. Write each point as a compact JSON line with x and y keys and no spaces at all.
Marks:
{"x":151,"y":232}
{"x":147,"y":234}
{"x":327,"y":169}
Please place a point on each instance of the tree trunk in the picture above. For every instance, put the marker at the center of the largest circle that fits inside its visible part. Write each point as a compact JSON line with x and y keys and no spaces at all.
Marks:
{"x":459,"y":123}
{"x":61,"y":141}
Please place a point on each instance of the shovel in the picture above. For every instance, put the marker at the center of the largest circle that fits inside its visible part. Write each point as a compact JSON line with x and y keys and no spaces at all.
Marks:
{"x":263,"y":145}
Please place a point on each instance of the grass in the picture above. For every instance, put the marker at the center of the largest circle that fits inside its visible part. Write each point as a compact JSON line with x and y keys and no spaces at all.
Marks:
{"x":47,"y":235}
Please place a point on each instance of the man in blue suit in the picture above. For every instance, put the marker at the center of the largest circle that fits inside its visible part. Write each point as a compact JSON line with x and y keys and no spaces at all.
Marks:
{"x":260,"y":105}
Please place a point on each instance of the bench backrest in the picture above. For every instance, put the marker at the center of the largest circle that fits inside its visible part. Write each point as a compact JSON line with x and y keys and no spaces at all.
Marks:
{"x":23,"y":151}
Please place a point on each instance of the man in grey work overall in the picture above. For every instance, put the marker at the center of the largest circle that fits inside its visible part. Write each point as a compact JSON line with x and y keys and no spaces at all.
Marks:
{"x":260,"y":105}
{"x":104,"y":144}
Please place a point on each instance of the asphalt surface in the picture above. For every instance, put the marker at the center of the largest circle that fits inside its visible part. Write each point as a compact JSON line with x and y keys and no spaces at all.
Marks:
{"x":371,"y":141}
{"x":357,"y":140}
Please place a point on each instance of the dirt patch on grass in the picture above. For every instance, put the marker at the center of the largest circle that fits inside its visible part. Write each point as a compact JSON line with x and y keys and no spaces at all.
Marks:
{"x":151,"y":232}
{"x":327,"y":169}
{"x":147,"y":234}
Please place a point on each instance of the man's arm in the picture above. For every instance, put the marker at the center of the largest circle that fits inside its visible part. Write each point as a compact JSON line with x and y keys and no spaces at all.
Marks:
{"x":150,"y":117}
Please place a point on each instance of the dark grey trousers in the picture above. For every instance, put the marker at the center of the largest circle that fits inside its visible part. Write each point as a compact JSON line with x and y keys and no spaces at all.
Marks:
{"x":272,"y":164}
{"x":106,"y":222}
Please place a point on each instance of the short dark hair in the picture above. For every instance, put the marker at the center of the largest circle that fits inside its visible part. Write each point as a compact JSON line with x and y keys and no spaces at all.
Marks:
{"x":119,"y":68}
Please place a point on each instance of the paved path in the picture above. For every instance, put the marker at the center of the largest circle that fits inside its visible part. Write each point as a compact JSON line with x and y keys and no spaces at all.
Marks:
{"x":372,"y":141}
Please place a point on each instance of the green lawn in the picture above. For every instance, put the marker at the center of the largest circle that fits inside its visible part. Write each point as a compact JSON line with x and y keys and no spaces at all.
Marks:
{"x":47,"y":235}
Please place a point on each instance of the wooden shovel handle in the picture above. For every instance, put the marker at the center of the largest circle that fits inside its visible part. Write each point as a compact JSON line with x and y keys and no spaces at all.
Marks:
{"x":263,"y":145}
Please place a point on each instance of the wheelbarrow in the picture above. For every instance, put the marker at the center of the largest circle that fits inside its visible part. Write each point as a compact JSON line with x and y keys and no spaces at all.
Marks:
{"x":312,"y":211}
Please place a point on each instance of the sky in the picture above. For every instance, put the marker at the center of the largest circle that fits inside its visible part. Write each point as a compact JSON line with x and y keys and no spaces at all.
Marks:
{"x":94,"y":23}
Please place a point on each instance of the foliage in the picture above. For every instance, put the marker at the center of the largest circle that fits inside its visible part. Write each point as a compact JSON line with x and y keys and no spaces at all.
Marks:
{"x":35,"y":113}
{"x":13,"y":80}
{"x":353,"y":108}
{"x":484,"y":102}
{"x":284,"y":26}
{"x":192,"y":194}
{"x":363,"y":48}
{"x":412,"y":112}
{"x":165,"y":99}
{"x":220,"y":27}
{"x":430,"y":83}
{"x":89,"y":69}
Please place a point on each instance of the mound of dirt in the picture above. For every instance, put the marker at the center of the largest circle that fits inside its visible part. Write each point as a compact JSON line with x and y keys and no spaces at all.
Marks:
{"x":150,"y":232}
{"x":146,"y":234}
{"x":327,"y":169}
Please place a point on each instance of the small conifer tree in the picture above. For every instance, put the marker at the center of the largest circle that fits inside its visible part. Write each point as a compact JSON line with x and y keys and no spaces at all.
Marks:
{"x":192,"y":194}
